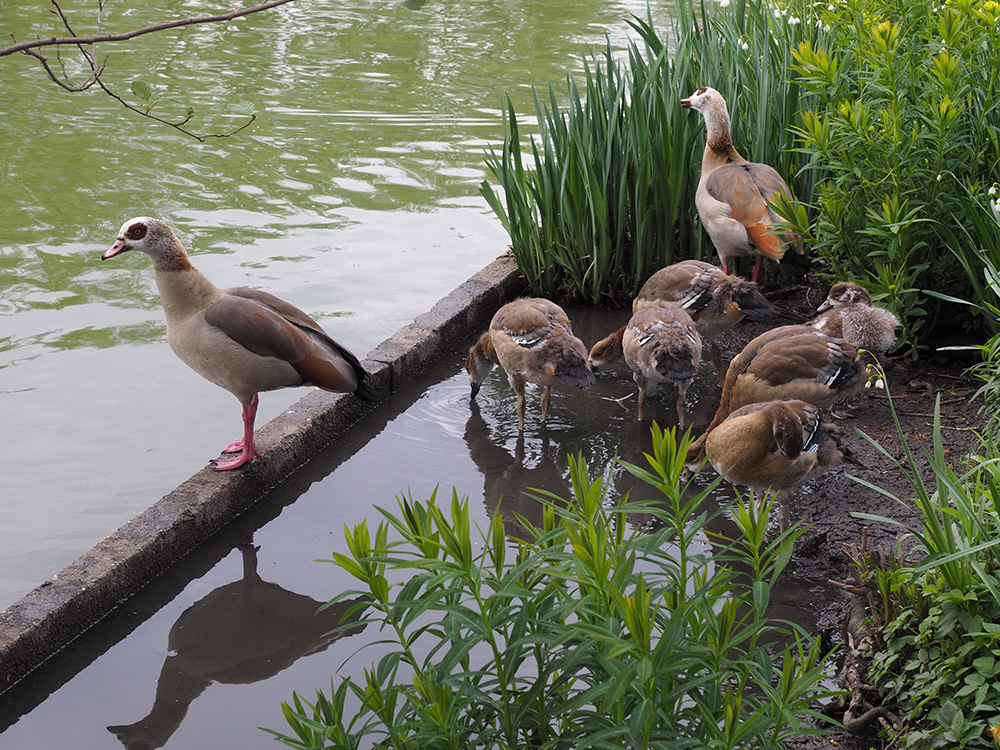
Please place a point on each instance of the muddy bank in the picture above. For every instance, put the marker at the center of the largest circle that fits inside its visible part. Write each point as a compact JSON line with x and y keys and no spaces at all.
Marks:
{"x":829,"y":503}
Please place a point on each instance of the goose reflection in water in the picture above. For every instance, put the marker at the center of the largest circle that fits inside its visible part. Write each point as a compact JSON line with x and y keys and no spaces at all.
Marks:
{"x":508,"y":482}
{"x":243,"y":632}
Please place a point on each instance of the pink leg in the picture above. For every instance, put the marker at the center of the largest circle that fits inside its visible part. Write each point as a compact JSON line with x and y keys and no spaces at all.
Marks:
{"x":249,"y":453}
{"x":756,"y":269}
{"x":234,"y":447}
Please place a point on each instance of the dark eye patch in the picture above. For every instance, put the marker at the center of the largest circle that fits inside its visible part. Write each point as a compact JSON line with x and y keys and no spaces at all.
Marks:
{"x":137,"y":231}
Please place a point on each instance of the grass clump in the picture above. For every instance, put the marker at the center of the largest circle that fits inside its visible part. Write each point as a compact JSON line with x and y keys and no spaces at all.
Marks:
{"x":599,"y":203}
{"x":585,"y":635}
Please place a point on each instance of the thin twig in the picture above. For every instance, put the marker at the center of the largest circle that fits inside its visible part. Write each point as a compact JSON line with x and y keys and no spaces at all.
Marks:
{"x":125,"y":36}
{"x":97,"y":70}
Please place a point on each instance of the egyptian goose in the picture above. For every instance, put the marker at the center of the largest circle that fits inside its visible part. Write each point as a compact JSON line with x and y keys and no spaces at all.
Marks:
{"x":787,"y":363}
{"x":733,"y":196}
{"x":715,"y":301}
{"x":773,"y":446}
{"x":661,"y":345}
{"x":532,"y":340}
{"x":241,"y":339}
{"x":848,"y":313}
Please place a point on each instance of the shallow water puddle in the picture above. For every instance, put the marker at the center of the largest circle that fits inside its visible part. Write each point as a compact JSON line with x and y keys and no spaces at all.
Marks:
{"x":205,"y":656}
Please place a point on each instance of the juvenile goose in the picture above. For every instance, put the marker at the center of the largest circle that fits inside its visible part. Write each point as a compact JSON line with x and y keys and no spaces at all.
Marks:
{"x":715,"y":301}
{"x":848,"y":313}
{"x":241,"y":339}
{"x":786,"y":363}
{"x":532,"y":340}
{"x":661,"y":344}
{"x":733,"y":196}
{"x":773,"y":446}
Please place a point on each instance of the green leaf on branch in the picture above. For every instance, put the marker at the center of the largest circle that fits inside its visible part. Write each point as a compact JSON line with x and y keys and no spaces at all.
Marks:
{"x":242,"y":108}
{"x":142,"y":90}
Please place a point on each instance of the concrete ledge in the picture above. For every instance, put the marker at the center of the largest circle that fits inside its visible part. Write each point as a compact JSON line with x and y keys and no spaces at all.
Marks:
{"x":48,"y":618}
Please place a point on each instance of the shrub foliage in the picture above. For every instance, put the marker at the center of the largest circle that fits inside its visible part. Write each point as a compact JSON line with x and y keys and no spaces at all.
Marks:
{"x":586,"y":634}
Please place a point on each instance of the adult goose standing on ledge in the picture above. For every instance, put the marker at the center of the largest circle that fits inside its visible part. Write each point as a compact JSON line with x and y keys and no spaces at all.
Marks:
{"x":532,"y":340}
{"x":733,"y":196}
{"x":241,"y":339}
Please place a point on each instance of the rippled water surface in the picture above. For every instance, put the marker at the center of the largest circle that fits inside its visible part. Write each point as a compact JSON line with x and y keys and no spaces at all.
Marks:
{"x":354,"y":195}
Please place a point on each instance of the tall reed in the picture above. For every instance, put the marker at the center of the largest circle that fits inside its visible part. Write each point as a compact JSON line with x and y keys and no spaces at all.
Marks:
{"x":603,"y":195}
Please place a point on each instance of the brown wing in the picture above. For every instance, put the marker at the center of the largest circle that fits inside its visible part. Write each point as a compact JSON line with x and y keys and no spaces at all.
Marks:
{"x":747,"y":189}
{"x":802,"y":356}
{"x":529,"y":321}
{"x":270,"y":327}
{"x":793,"y":423}
{"x":687,"y":283}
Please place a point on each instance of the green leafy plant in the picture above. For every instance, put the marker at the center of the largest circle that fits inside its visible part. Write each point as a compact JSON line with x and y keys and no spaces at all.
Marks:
{"x":940,"y":615}
{"x":585,"y":635}
{"x":901,"y":99}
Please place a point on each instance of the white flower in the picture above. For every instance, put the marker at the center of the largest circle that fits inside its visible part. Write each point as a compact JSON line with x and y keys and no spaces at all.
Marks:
{"x":744,"y":45}
{"x":992,"y":190}
{"x":794,"y":21}
{"x":996,"y":206}
{"x":826,"y":27}
{"x":939,"y":177}
{"x":830,"y":8}
{"x":724,"y":3}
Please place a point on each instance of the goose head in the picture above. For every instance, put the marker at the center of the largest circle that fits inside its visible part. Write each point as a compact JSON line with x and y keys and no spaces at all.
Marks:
{"x":845,"y":294}
{"x":152,"y":237}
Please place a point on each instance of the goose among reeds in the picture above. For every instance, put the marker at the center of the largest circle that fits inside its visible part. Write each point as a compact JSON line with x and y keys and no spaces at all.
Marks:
{"x":734,"y":196}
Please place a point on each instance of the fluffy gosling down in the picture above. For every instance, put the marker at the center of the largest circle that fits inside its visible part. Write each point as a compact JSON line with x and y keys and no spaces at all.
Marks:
{"x":848,"y":313}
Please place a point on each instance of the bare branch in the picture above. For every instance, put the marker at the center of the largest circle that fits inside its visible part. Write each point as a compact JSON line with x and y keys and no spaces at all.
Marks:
{"x":64,"y":79}
{"x":30,"y":49}
{"x":125,"y":36}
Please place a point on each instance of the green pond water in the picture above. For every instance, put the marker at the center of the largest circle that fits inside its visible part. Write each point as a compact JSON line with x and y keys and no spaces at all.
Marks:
{"x":354,"y":195}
